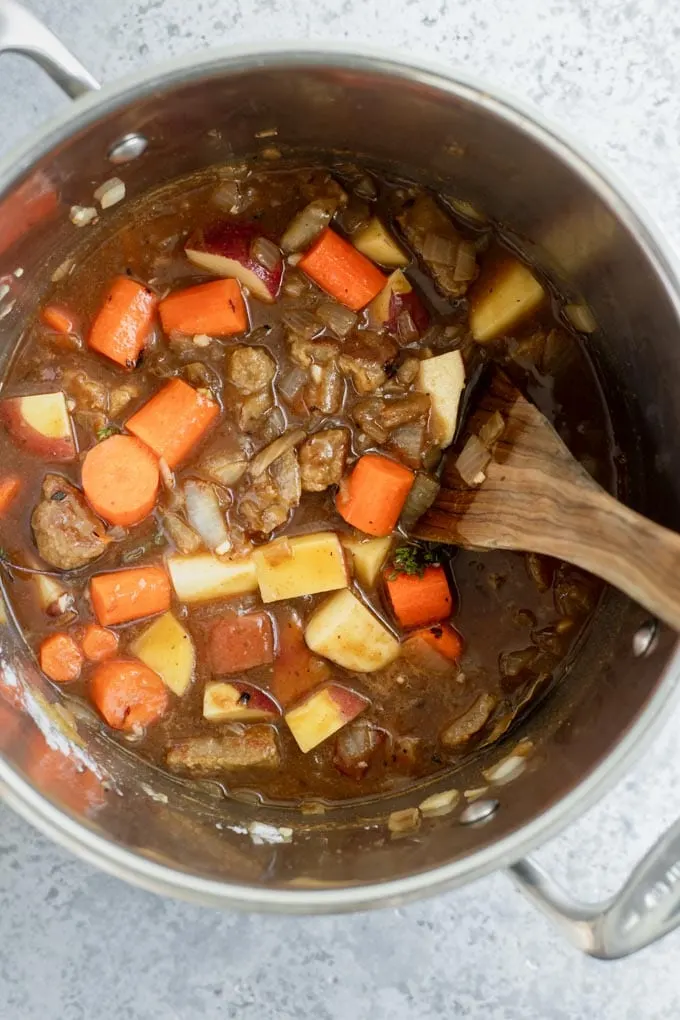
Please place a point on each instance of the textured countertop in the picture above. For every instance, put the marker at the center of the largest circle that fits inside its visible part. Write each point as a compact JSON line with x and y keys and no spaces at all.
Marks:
{"x":77,"y":944}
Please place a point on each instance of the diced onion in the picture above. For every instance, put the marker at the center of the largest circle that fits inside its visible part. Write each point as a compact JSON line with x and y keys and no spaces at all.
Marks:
{"x":402,"y":822}
{"x":581,"y":318}
{"x":291,"y":383}
{"x":110,"y":193}
{"x":473,"y":461}
{"x":82,"y":215}
{"x":506,"y":770}
{"x":441,"y":803}
{"x":423,"y":493}
{"x":466,"y":263}
{"x":492,"y":429}
{"x":302,"y":323}
{"x":308,"y":224}
{"x":266,"y":253}
{"x":366,"y":188}
{"x":277,"y":552}
{"x":203,"y":511}
{"x":340,"y":320}
{"x":265,"y":457}
{"x":464,"y":208}
{"x":407,"y":330}
{"x":225,"y":468}
{"x":228,"y":197}
{"x":167,"y":476}
{"x":440,"y":250}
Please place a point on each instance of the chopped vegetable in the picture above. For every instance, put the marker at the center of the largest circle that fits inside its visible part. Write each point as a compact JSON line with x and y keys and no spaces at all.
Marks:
{"x":215,"y":308}
{"x":40,"y":424}
{"x":123,"y":324}
{"x":373,"y":496}
{"x":174,"y":421}
{"x":322,"y":714}
{"x":205,"y":515}
{"x":98,"y":643}
{"x":368,"y":556}
{"x":60,"y":658}
{"x":129,"y":594}
{"x":355,"y":746}
{"x":296,"y":670}
{"x":342,"y":271}
{"x":443,"y":378}
{"x":237,"y":703}
{"x":419,"y":599}
{"x":254,"y":747}
{"x":421,"y":497}
{"x":304,"y":565}
{"x":265,"y":457}
{"x":502,"y":299}
{"x":167,"y":648}
{"x":10,"y":487}
{"x":470,"y":722}
{"x":306,"y":225}
{"x":58,"y":319}
{"x":345,"y":631}
{"x":203,"y":577}
{"x":231,"y":250}
{"x":375,"y":242}
{"x":397,"y":299}
{"x":238,"y":643}
{"x":472,"y":462}
{"x":120,"y":480}
{"x":433,"y":648}
{"x":128,"y":694}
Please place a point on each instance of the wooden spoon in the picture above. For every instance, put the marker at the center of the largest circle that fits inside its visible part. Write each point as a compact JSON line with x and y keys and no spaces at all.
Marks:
{"x":535,"y":497}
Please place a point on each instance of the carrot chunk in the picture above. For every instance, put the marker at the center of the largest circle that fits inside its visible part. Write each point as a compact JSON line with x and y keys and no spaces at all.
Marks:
{"x":59,"y":319}
{"x":440,"y":638}
{"x":123,"y":323}
{"x":9,"y":489}
{"x":121,"y":479}
{"x":237,"y":643}
{"x":296,"y":669}
{"x":128,"y":694}
{"x":420,"y":601}
{"x":215,"y":308}
{"x":61,"y":776}
{"x":342,"y":271}
{"x":60,"y":658}
{"x":174,"y":420}
{"x":98,"y":643}
{"x":129,"y":594}
{"x":373,"y":496}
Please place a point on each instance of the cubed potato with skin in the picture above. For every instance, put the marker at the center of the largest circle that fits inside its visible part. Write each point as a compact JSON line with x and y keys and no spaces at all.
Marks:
{"x":443,"y":378}
{"x":303,"y":565}
{"x":368,"y":556}
{"x":375,"y":242}
{"x":226,"y":249}
{"x":237,"y":702}
{"x":397,"y":296}
{"x":40,"y":424}
{"x":345,"y":631}
{"x":203,"y":577}
{"x":322,"y":714}
{"x":502,"y":298}
{"x":167,"y":648}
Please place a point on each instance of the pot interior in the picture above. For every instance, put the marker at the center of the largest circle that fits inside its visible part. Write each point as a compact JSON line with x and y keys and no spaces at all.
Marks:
{"x":465,"y":145}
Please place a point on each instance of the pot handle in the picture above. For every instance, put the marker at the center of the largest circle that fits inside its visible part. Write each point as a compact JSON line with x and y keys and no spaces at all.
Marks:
{"x":21,"y":32}
{"x":644,"y":909}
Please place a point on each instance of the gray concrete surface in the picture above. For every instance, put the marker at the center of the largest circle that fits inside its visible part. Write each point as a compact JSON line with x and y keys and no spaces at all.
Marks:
{"x":75,"y":944}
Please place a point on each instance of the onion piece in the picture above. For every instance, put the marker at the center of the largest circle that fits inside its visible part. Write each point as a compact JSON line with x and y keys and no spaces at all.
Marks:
{"x":581,"y":318}
{"x":180,"y":534}
{"x":492,"y":429}
{"x":306,"y":225}
{"x":407,"y":331}
{"x":266,"y":253}
{"x":466,"y":263}
{"x":291,"y":383}
{"x":473,"y":461}
{"x":265,"y":457}
{"x":441,"y":803}
{"x":203,"y":511}
{"x":227,"y":197}
{"x":110,"y":192}
{"x":423,"y":493}
{"x":225,"y":468}
{"x":404,"y":822}
{"x":340,"y":320}
{"x":302,"y":323}
{"x":366,"y":188}
{"x":440,"y":249}
{"x":167,"y":476}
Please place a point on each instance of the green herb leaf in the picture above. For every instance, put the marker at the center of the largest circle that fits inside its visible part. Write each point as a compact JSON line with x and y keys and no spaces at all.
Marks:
{"x":414,"y":558}
{"x":106,"y":431}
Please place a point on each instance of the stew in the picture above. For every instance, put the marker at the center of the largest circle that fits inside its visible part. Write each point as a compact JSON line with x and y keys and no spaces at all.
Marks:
{"x":223,"y":425}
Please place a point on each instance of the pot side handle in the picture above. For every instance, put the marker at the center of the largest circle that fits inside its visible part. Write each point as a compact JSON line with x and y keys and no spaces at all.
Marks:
{"x":21,"y":32}
{"x":645,"y":908}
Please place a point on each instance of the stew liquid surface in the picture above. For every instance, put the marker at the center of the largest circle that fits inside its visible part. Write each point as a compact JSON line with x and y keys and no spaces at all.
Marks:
{"x":217,"y":436}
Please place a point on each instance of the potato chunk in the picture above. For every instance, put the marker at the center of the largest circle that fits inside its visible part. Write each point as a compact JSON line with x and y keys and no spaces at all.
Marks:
{"x":304,"y":565}
{"x":166,"y":648}
{"x":345,"y":631}
{"x":203,"y":577}
{"x":502,"y":299}
{"x":443,"y":378}
{"x":322,"y":714}
{"x":368,"y":556}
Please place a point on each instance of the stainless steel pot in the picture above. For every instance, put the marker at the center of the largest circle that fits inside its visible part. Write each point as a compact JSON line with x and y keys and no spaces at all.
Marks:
{"x":457,"y":136}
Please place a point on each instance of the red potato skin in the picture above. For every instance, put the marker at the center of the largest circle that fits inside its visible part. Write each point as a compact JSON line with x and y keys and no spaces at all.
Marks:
{"x":408,"y":303}
{"x":48,"y":448}
{"x":350,"y":704}
{"x":233,"y":240}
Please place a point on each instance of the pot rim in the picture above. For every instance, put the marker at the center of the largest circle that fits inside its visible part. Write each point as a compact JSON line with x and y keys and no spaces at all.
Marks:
{"x":77,"y":837}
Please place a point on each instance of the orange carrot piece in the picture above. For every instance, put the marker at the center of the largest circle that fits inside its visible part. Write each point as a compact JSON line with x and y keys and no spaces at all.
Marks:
{"x":61,"y":776}
{"x":373,"y":496}
{"x":9,"y":489}
{"x":342,"y":271}
{"x":59,"y":319}
{"x":60,"y":658}
{"x":420,"y":601}
{"x":123,"y":323}
{"x":442,"y":638}
{"x":120,"y":480}
{"x":98,"y":643}
{"x":128,"y":694}
{"x":129,"y":594}
{"x":174,"y":420}
{"x":296,"y":669}
{"x":215,"y":308}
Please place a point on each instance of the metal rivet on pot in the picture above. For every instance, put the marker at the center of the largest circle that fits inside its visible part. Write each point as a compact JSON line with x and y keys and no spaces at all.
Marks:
{"x":644,"y":638}
{"x":127,"y":148}
{"x":480,"y":811}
